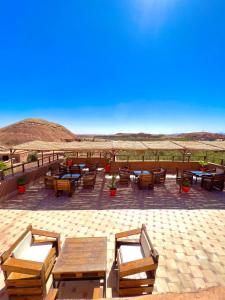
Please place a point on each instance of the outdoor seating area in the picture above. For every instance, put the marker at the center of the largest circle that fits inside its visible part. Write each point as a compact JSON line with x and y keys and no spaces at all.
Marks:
{"x":168,"y":254}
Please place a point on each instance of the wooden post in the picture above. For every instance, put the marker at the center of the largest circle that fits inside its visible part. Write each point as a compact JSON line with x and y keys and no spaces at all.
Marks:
{"x":23,"y":169}
{"x":42,"y":157}
{"x":53,"y":155}
{"x":143,"y":158}
{"x":11,"y":160}
{"x":183,"y":155}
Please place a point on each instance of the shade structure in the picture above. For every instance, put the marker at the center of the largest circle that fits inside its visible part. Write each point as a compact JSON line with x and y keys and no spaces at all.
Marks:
{"x":4,"y":149}
{"x":129,"y":145}
{"x":162,"y":145}
{"x":107,"y":146}
{"x":198,"y":146}
{"x":218,"y":144}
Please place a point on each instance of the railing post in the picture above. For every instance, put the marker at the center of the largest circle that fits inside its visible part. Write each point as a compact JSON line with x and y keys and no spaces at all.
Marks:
{"x":57,"y":156}
{"x":38,"y":163}
{"x":143,"y":158}
{"x":49,"y":159}
{"x":173,"y":158}
{"x":23,"y":168}
{"x":222,"y":162}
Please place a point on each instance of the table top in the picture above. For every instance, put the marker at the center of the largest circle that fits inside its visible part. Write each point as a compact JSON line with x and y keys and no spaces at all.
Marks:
{"x":139,"y":172}
{"x":200,"y":173}
{"x":70,"y":176}
{"x":79,"y":165}
{"x":79,"y":255}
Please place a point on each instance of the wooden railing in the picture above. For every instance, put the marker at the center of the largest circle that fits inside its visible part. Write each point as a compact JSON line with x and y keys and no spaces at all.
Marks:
{"x":22,"y":167}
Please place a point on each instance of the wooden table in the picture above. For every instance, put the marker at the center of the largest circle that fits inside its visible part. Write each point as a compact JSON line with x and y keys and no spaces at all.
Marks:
{"x":80,"y":259}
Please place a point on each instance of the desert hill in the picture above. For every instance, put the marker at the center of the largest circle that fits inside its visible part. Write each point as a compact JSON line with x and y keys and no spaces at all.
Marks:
{"x":34,"y":129}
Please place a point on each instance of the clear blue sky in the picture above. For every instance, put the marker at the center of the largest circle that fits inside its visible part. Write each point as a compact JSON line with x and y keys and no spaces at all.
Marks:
{"x":114,"y":65}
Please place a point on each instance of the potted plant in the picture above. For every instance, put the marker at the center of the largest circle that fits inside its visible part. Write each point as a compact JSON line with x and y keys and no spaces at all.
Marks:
{"x":203,"y":165}
{"x":107,"y":166}
{"x":186,"y":185}
{"x":112,"y":186}
{"x":21,"y":185}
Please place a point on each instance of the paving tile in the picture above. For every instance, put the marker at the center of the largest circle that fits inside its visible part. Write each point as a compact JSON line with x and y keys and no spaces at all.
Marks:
{"x":187,"y":230}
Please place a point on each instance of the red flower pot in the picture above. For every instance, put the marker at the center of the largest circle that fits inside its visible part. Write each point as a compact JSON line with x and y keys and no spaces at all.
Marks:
{"x":113,"y":192}
{"x":69,"y":162}
{"x":185,"y":189}
{"x":21,"y":189}
{"x":107,"y":168}
{"x":202,"y":169}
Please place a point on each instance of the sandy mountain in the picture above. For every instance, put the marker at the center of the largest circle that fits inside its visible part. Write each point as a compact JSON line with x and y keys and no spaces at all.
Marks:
{"x":34,"y":129}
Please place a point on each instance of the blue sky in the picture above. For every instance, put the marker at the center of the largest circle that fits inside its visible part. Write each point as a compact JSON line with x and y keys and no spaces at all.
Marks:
{"x":105,"y":66}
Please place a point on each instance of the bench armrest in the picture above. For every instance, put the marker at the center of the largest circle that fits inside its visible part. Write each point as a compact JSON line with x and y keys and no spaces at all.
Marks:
{"x":127,"y":233}
{"x":45,"y":233}
{"x":137,"y":266}
{"x":22,"y":266}
{"x":52,"y":294}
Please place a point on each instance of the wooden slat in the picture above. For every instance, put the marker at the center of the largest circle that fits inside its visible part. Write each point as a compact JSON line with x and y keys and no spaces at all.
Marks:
{"x":23,"y":283}
{"x":52,"y":294}
{"x":135,"y":282}
{"x":135,"y":291}
{"x":24,"y":291}
{"x":45,"y":233}
{"x":127,"y":233}
{"x":98,"y":293}
{"x":22,"y":266}
{"x":26,"y":297}
{"x":137,"y":266}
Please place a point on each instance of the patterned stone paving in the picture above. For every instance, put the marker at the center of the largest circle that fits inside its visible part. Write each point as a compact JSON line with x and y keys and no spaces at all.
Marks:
{"x":188,"y":230}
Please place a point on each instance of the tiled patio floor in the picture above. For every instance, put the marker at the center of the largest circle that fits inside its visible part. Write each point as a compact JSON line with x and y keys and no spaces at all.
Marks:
{"x":188,"y":230}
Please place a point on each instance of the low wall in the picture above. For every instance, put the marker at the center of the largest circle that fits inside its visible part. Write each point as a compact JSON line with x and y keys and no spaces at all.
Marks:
{"x":8,"y":187}
{"x":101,"y":161}
{"x":147,"y":165}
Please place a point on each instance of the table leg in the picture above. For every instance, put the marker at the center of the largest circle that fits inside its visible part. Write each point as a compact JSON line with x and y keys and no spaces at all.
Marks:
{"x":105,"y":286}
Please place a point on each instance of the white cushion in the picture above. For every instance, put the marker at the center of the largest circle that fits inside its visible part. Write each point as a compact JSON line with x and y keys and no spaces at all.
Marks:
{"x":36,"y":252}
{"x":22,"y":246}
{"x":130,"y":253}
{"x":141,"y":275}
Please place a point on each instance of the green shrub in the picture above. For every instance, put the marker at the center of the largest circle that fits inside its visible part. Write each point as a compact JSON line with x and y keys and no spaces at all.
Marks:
{"x":21,"y":181}
{"x":2,"y":165}
{"x":32,"y":156}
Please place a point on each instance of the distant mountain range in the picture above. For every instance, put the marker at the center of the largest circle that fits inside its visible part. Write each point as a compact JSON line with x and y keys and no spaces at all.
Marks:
{"x":38,"y":129}
{"x":34,"y":129}
{"x":141,"y":136}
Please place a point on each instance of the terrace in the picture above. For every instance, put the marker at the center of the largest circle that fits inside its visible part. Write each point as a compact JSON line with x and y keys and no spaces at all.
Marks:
{"x":186,"y":229}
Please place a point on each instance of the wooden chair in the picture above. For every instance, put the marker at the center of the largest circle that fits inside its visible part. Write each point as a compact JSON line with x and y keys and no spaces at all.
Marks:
{"x":183,"y":174}
{"x":146,"y":181}
{"x":137,"y":262}
{"x":215,"y":181}
{"x":92,"y":167}
{"x":49,"y":181}
{"x":75,"y":170}
{"x":62,"y":170}
{"x":160,"y":175}
{"x":28,"y":263}
{"x":89,"y":180}
{"x":124,"y":175}
{"x":61,"y":185}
